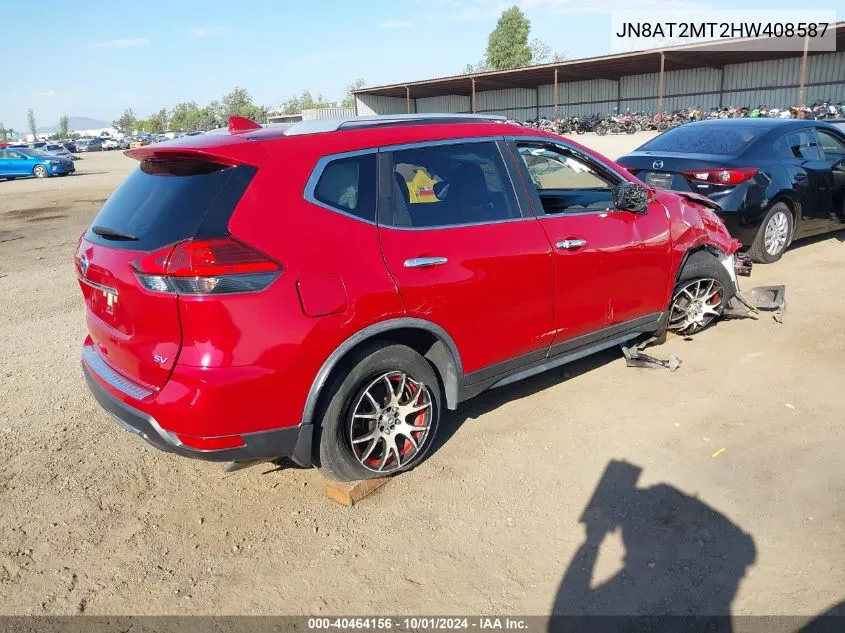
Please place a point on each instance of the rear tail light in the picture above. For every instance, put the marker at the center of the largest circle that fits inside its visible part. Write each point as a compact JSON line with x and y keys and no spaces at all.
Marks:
{"x":729,"y":176}
{"x":206,"y":267}
{"x":631,"y":170}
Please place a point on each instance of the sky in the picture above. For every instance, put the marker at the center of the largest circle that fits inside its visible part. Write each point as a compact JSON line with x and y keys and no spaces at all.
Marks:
{"x":95,"y":58}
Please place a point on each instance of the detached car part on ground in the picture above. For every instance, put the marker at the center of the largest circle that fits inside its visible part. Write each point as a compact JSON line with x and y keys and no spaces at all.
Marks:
{"x":330,"y":316}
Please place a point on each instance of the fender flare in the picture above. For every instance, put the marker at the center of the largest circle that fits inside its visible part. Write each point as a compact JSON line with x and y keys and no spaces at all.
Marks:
{"x":451,"y":381}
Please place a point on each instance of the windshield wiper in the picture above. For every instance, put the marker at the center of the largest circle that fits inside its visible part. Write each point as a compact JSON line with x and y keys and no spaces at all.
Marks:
{"x":113,"y":234}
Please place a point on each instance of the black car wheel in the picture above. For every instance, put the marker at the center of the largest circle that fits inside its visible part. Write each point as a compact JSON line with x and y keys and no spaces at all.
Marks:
{"x":380,"y":415}
{"x":703,"y":290}
{"x":773,"y":236}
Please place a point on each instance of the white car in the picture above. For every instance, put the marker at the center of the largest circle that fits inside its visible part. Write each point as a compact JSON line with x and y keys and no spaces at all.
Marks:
{"x":54,"y":149}
{"x":111,"y":143}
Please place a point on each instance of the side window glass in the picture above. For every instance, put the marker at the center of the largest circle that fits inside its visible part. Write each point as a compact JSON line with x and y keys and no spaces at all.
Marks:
{"x":565,"y":183}
{"x":349,"y":185}
{"x":447,"y":185}
{"x":830,"y":144}
{"x":800,"y":145}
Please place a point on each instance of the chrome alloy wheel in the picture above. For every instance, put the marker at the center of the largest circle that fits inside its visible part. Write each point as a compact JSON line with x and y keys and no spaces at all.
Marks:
{"x":777,"y":232}
{"x":695,"y":305}
{"x":390,"y":422}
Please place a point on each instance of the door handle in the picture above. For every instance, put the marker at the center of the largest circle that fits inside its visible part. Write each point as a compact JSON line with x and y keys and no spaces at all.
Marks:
{"x":571,"y":244}
{"x":425,"y":262}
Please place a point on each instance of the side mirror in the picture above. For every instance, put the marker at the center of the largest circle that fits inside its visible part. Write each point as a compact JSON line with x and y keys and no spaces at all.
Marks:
{"x":629,"y":196}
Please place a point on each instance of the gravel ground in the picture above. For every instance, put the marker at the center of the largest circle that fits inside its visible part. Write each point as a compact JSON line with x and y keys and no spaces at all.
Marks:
{"x":739,"y":506}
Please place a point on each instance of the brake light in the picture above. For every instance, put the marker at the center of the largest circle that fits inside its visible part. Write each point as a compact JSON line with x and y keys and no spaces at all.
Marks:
{"x":727,"y":176}
{"x":631,"y":170}
{"x":204,"y":267}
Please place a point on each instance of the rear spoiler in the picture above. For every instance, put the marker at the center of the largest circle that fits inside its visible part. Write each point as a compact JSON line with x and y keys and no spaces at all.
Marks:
{"x":697,"y":197}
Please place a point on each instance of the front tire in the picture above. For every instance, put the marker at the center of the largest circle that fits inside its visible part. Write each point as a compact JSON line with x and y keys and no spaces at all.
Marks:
{"x":40,"y":171}
{"x":774,"y":235}
{"x":703,"y":290}
{"x":380,"y":416}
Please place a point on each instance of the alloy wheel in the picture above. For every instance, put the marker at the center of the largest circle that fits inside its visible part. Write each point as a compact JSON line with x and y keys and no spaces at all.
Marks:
{"x":695,"y":305}
{"x":777,"y":232}
{"x":390,"y":422}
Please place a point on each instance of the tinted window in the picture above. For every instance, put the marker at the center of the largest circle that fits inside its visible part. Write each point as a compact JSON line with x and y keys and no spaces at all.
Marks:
{"x":349,"y":185}
{"x":728,"y":140}
{"x":164,"y":202}
{"x":800,"y":144}
{"x":830,"y":144}
{"x":451,"y":184}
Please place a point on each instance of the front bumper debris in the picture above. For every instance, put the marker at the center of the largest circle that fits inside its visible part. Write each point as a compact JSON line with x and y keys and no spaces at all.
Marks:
{"x":760,"y":298}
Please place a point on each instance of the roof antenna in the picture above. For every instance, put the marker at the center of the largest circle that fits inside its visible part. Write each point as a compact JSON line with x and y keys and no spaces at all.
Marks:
{"x":238,"y":124}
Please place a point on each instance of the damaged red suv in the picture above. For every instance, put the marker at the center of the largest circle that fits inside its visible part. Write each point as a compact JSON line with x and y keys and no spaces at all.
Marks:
{"x":324,"y":291}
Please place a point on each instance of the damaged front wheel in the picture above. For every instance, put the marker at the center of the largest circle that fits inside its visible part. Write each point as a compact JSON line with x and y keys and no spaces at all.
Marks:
{"x":701,"y":294}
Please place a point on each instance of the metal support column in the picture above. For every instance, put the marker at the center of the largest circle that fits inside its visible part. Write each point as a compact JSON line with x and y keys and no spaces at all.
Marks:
{"x":619,"y":95}
{"x":537,"y":102}
{"x":722,"y":88}
{"x":473,"y":94}
{"x":802,"y":101}
{"x":661,"y":86}
{"x":407,"y":99}
{"x":556,"y":95}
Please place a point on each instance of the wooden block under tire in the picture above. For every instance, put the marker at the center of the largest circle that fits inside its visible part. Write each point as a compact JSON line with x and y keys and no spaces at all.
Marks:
{"x":348,"y":493}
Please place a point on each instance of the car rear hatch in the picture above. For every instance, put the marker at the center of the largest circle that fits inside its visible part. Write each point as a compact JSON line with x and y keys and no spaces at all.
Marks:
{"x":178,"y":199}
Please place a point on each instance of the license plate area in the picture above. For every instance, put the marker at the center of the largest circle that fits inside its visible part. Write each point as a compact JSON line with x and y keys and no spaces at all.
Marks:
{"x":660,"y":180}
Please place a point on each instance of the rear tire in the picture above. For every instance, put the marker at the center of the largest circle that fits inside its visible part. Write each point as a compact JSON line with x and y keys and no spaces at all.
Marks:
{"x":366,"y":429}
{"x":701,"y":293}
{"x":773,"y":236}
{"x":39,"y":171}
{"x":601,"y":130}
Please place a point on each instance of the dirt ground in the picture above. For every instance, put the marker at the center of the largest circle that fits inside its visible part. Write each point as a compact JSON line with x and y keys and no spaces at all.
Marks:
{"x":739,"y":507}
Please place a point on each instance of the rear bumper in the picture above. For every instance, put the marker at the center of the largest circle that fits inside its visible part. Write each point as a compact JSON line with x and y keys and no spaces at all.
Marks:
{"x":293,"y":442}
{"x":741,"y":226}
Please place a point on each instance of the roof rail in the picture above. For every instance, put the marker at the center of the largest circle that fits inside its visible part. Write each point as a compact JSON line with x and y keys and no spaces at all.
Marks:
{"x":316,"y":126}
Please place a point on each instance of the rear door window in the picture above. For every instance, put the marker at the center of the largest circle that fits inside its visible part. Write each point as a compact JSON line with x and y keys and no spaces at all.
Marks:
{"x":832,"y":146}
{"x":450,"y":184}
{"x":728,"y":140}
{"x":164,"y":202}
{"x":800,"y":144}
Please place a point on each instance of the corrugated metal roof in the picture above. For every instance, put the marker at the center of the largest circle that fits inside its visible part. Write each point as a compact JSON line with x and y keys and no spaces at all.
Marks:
{"x":705,"y":55}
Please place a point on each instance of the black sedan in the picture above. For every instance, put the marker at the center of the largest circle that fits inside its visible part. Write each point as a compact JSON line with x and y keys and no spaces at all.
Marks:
{"x":776,"y":180}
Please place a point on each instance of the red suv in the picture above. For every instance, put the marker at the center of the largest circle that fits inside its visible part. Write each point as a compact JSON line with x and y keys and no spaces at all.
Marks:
{"x":324,"y":291}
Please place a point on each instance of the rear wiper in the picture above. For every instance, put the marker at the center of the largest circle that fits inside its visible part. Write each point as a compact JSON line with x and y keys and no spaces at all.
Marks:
{"x":113,"y":234}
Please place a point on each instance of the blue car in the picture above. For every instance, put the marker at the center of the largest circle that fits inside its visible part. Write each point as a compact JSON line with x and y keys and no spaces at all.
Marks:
{"x":20,"y":162}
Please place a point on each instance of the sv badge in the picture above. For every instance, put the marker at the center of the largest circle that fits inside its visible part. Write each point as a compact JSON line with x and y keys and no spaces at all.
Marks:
{"x":161,"y":360}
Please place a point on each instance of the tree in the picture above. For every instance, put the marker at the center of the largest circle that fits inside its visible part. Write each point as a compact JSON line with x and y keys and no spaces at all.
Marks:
{"x":30,"y":119}
{"x":4,"y":134}
{"x":349,"y":100}
{"x":184,"y":117}
{"x":127,"y":123}
{"x":480,"y":67}
{"x":64,"y":126}
{"x":507,"y":46}
{"x":305,"y":101}
{"x":239,"y":103}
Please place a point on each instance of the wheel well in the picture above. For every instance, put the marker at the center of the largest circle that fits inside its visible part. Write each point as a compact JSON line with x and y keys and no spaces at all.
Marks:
{"x":425,"y":343}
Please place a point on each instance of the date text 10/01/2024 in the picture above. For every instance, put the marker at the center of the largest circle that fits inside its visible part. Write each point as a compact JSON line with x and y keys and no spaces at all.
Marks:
{"x":418,"y":623}
{"x":695,"y":30}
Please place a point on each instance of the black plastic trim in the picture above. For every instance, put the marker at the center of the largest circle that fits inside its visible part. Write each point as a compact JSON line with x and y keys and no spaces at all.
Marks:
{"x":262,"y":445}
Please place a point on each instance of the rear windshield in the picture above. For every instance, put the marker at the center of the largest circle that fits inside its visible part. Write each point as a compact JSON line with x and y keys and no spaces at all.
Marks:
{"x":163,"y":202}
{"x":705,"y":139}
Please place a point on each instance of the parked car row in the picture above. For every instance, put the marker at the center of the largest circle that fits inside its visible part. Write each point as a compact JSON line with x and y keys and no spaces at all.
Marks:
{"x":484,"y":253}
{"x":775,"y":180}
{"x":22,"y":162}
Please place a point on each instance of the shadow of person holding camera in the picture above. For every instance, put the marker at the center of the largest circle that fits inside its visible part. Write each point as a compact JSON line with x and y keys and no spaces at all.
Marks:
{"x":682,"y":558}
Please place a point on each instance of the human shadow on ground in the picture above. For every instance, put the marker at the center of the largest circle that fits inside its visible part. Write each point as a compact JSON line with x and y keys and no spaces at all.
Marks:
{"x":682,"y":558}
